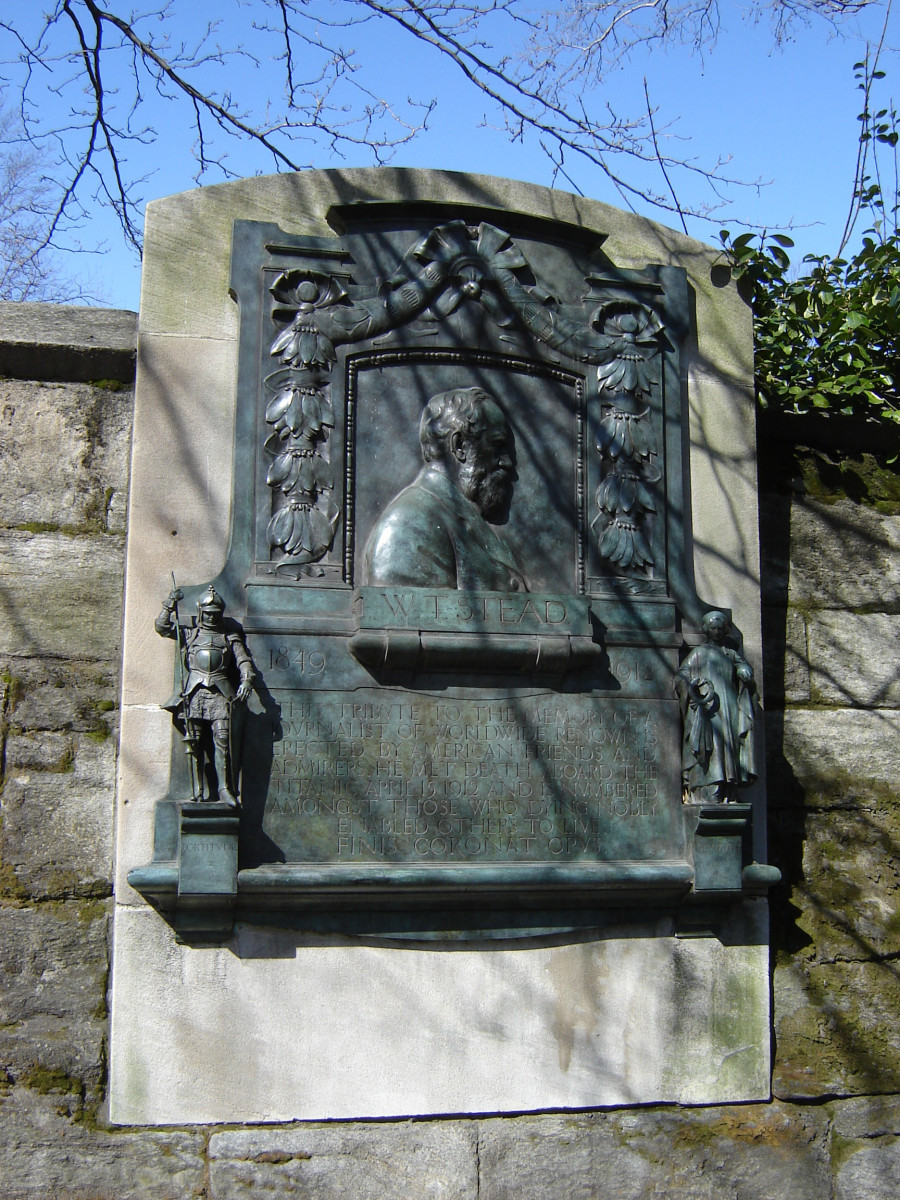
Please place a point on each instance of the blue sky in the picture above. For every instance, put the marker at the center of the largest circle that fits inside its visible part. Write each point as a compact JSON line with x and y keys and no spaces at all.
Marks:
{"x":786,"y":115}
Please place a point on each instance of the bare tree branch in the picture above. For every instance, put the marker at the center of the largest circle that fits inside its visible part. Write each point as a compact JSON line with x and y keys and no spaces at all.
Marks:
{"x":27,"y":270}
{"x":661,"y":160}
{"x":549,"y":74}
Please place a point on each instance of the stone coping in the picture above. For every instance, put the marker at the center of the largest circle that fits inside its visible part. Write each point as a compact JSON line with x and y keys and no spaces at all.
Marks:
{"x":67,"y":342}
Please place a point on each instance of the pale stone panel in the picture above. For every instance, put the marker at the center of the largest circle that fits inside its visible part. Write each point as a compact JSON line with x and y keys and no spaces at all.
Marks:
{"x":143,"y":778}
{"x":180,"y":491}
{"x":322,"y":1028}
{"x":724,"y":501}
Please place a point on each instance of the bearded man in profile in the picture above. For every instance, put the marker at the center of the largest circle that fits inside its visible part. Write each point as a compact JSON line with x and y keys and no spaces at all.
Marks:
{"x":440,"y":531}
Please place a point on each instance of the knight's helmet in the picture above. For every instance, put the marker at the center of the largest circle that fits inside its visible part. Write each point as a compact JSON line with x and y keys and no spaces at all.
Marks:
{"x":211,"y":601}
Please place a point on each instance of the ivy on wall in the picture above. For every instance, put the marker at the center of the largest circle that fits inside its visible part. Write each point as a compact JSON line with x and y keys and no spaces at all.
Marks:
{"x":829,"y":339}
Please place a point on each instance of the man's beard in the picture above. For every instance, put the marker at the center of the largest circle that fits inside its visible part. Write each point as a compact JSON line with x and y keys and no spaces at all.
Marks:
{"x":489,"y":490}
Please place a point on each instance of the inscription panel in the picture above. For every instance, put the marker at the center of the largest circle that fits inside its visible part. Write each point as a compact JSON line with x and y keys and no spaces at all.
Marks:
{"x":290,"y":664}
{"x":392,"y":775}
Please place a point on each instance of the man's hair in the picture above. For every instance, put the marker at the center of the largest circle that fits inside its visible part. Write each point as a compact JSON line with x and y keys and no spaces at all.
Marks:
{"x":458,"y":411}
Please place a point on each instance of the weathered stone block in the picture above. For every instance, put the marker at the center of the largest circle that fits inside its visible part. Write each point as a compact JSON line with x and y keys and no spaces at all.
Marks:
{"x":837,"y":1029}
{"x":850,"y":890}
{"x":852,"y":660}
{"x":58,"y":341}
{"x":844,"y":555}
{"x":867,"y":1116}
{"x":866,"y":1147}
{"x":53,"y":964}
{"x":774,"y":548}
{"x":750,"y":1152}
{"x":60,"y":595}
{"x":45,"y":1154}
{"x":58,"y":695}
{"x":844,"y":756}
{"x":40,"y":751}
{"x":796,"y":659}
{"x":83,"y":482}
{"x":366,"y":1162}
{"x":57,"y":827}
{"x":785,"y":657}
{"x":871,"y":1173}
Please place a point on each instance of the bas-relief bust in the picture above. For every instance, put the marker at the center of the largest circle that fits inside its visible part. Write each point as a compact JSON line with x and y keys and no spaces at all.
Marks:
{"x":441,"y":530}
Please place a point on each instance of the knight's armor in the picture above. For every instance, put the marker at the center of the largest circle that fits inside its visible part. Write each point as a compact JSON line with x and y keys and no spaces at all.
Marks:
{"x":214,"y":657}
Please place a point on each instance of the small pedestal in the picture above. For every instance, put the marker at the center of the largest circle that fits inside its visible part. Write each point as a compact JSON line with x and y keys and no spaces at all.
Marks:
{"x":207,"y":870}
{"x":719,"y":847}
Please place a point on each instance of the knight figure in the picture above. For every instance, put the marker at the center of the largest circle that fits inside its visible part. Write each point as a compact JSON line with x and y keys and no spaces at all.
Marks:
{"x":216,"y":677}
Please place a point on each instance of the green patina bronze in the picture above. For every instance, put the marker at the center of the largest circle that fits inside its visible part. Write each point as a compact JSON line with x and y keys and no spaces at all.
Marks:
{"x":458,"y":567}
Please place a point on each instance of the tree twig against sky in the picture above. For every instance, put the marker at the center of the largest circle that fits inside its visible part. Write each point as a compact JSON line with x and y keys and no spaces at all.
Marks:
{"x":94,"y":80}
{"x":26,"y":273}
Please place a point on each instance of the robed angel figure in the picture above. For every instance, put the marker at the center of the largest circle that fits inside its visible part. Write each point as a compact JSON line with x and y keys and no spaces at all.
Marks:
{"x":715,"y":686}
{"x":215,"y":680}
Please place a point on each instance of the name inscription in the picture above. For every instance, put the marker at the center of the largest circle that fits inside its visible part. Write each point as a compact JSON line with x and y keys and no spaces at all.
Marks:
{"x":485,"y":612}
{"x":389,"y":776}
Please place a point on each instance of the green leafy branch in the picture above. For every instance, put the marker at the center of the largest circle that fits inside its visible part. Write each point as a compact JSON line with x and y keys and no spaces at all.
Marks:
{"x":829,"y":339}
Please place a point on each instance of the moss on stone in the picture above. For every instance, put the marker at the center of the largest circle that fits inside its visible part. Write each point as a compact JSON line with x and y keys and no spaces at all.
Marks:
{"x":64,"y":765}
{"x":750,"y":1124}
{"x":50,"y":1079}
{"x":12,"y":890}
{"x":91,"y":909}
{"x":14,"y":688}
{"x":97,"y":511}
{"x":38,"y":527}
{"x":866,"y":478}
{"x":836,"y":1030}
{"x":92,"y":525}
{"x":93,"y":712}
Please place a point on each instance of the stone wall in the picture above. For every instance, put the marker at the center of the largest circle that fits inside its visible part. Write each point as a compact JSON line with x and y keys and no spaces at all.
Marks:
{"x":832,"y":590}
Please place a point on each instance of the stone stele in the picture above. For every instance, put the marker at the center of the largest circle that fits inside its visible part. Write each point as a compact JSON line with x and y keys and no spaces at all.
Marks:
{"x":470,"y":464}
